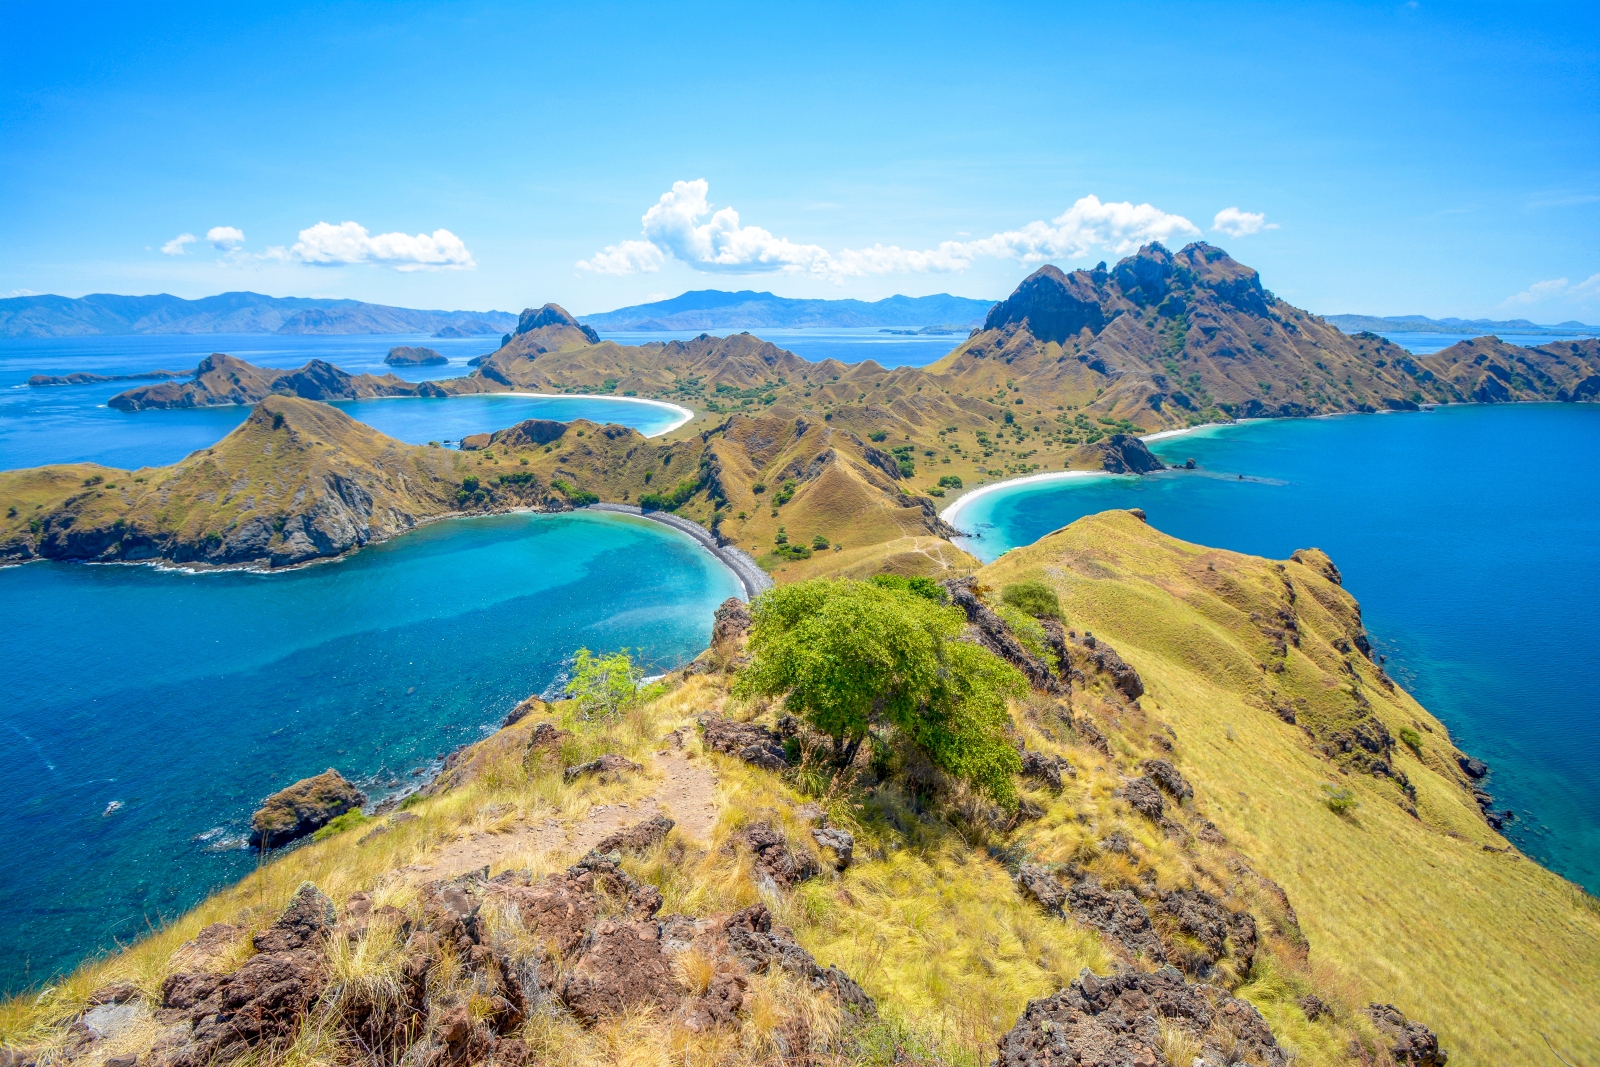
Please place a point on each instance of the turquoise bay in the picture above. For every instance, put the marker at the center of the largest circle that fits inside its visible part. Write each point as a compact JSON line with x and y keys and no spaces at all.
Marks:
{"x":1468,"y":535}
{"x":186,"y":698}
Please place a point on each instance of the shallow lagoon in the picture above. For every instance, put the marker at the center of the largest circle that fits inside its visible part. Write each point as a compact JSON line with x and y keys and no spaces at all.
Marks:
{"x":1468,"y":535}
{"x":187,"y":698}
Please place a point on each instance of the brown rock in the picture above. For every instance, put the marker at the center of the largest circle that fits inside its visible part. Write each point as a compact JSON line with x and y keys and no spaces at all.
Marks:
{"x":1410,"y":1043}
{"x":1117,"y":914}
{"x":620,"y":966}
{"x":747,"y":741}
{"x":1046,"y":768}
{"x":782,"y":865}
{"x":732,"y":621}
{"x":1117,"y":1022}
{"x":1167,"y":777}
{"x":1143,"y":796}
{"x":303,"y":807}
{"x":607,"y":766}
{"x":640,"y":837}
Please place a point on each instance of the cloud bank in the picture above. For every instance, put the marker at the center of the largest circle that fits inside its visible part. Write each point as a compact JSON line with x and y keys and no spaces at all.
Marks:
{"x":176,"y":246}
{"x":1236,"y":223}
{"x":1584,"y":292}
{"x":349,"y":243}
{"x":683,"y":226}
{"x":225,"y":238}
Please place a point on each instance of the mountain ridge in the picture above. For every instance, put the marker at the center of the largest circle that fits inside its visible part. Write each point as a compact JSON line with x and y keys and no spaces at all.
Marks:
{"x":716,"y":309}
{"x":1423,"y":324}
{"x":48,"y":315}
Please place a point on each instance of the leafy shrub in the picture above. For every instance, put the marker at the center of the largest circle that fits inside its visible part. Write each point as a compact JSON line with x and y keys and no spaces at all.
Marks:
{"x":671,"y":500}
{"x":785,"y":493}
{"x":950,"y":481}
{"x":859,"y":659}
{"x":1411,"y":739}
{"x":878,"y":435}
{"x":918,"y":585}
{"x":469,"y":484}
{"x":759,"y":488}
{"x":1034,"y":597}
{"x":576,"y":497}
{"x":791,"y":552}
{"x":1339,"y":799}
{"x":1027,"y":630}
{"x":340,"y":823}
{"x":603,"y":685}
{"x":819,"y":542}
{"x":518,"y":478}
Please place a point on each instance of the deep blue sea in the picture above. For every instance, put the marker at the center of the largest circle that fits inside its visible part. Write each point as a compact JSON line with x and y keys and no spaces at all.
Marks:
{"x":187,"y":698}
{"x":65,"y":424}
{"x":1467,"y":533}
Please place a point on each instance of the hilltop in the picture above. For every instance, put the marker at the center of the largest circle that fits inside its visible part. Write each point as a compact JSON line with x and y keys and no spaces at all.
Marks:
{"x":106,"y":313}
{"x":1193,"y":864}
{"x":712,"y":309}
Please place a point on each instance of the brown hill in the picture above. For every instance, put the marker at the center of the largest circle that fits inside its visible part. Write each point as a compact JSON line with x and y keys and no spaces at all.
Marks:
{"x":221,"y":379}
{"x":1487,"y":370}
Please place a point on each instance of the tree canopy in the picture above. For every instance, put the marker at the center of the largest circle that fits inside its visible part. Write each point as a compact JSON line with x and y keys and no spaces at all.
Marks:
{"x":849,"y":657}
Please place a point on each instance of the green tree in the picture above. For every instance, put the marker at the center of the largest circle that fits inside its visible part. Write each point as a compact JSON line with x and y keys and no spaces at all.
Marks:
{"x":853,"y":657}
{"x":603,"y":685}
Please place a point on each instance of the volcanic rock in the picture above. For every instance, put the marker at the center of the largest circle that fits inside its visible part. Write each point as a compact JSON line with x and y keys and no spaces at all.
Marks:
{"x":748,"y":741}
{"x":1411,"y":1043}
{"x":303,"y":807}
{"x":409,"y":356}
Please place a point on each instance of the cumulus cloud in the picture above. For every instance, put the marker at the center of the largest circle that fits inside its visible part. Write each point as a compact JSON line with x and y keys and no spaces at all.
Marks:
{"x":177,"y":246}
{"x":349,"y":243}
{"x":1236,"y":223}
{"x":225,"y":238}
{"x":1538,"y":292}
{"x":683,"y":226}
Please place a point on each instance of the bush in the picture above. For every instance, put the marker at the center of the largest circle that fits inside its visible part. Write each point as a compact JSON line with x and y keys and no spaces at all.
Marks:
{"x":1339,"y":799}
{"x":1035,"y":598}
{"x":950,"y":481}
{"x":920,"y":586}
{"x":340,"y":823}
{"x":576,"y":497}
{"x":785,"y":493}
{"x":855,"y":659}
{"x":603,"y":685}
{"x":819,"y":542}
{"x":1411,"y":739}
{"x":878,"y":435}
{"x":671,"y":500}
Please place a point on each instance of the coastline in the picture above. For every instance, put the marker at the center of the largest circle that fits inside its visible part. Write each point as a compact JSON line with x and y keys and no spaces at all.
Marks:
{"x":744,"y":567}
{"x":956,"y":506}
{"x":684,"y":414}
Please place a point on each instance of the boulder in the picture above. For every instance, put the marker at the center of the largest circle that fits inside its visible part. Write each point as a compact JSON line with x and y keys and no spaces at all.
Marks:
{"x":842,"y":842}
{"x":1411,"y":1044}
{"x":1143,"y":796}
{"x":303,"y":807}
{"x":1046,"y":768}
{"x":1118,"y":1021}
{"x":747,"y":741}
{"x":640,"y":837}
{"x":776,"y":861}
{"x":1165,"y":775}
{"x":1118,"y":915}
{"x":1474,"y":768}
{"x":607,"y":766}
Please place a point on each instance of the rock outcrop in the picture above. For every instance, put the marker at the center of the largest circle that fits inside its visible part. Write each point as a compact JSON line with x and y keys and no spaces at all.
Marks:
{"x":751,"y":742}
{"x":1127,"y":1020}
{"x":1411,"y":1044}
{"x":1121,"y":453}
{"x":411,"y":356}
{"x":221,"y":379}
{"x":992,"y":632}
{"x":308,"y":805}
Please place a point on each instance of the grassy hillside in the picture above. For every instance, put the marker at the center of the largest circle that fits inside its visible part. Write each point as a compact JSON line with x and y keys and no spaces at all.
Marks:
{"x":1410,"y":898}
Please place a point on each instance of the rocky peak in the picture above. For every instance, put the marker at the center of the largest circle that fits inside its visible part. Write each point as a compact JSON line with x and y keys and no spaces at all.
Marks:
{"x":553,"y":315}
{"x":1054,"y":305}
{"x":1146,"y":277}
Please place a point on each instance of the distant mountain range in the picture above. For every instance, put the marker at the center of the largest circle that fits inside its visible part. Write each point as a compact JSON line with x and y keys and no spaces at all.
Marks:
{"x":712,"y":309}
{"x":1423,"y":324}
{"x":105,"y":313}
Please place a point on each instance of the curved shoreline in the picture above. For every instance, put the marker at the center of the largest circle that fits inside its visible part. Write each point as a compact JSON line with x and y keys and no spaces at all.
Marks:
{"x":684,"y":415}
{"x":956,"y":506}
{"x":741,"y":563}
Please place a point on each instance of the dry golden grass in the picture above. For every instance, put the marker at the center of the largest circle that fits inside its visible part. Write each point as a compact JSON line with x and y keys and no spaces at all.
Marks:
{"x":1486,"y":947}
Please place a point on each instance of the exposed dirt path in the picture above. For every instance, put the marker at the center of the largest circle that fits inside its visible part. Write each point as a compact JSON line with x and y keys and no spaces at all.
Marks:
{"x":685,"y":791}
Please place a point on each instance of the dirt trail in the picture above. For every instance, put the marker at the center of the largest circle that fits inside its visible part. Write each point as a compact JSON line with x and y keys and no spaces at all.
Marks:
{"x":685,"y":791}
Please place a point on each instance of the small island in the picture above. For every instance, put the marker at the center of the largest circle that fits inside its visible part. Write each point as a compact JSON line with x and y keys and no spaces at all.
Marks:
{"x":407,"y":356}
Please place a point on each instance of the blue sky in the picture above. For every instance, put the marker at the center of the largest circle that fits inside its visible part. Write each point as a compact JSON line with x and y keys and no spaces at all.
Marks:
{"x":1389,"y":158}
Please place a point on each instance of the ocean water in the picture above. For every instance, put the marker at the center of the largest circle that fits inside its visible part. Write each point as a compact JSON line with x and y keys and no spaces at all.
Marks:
{"x":185,"y":698}
{"x":67,"y":424}
{"x":1425,"y":344}
{"x":1467,"y":533}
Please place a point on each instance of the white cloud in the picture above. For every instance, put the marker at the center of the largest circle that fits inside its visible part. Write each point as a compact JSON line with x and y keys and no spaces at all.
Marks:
{"x":175,"y":247}
{"x":22,"y":292}
{"x":347,"y":243}
{"x":1236,"y":223}
{"x":1556,"y":288}
{"x":225,"y":238}
{"x":722,"y":244}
